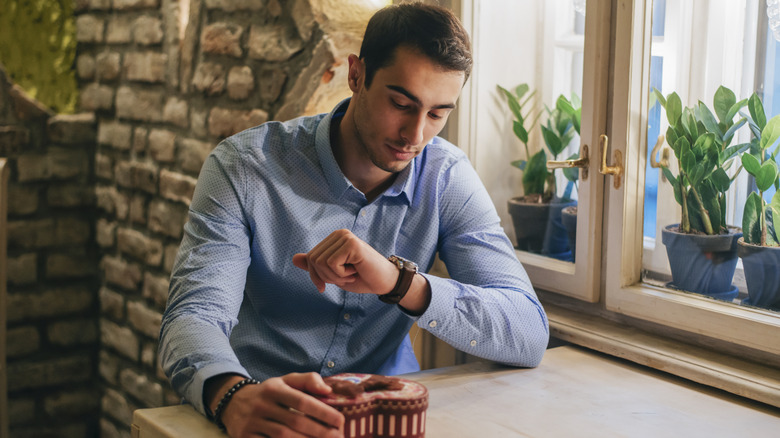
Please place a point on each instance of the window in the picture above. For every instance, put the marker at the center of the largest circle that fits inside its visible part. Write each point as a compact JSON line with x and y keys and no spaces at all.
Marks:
{"x":688,"y":47}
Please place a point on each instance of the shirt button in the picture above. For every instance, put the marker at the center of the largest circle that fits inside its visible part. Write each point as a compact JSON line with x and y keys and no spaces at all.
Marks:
{"x":363,"y":213}
{"x":432,"y":324}
{"x":346,"y":316}
{"x":473,"y":343}
{"x":331,"y":364}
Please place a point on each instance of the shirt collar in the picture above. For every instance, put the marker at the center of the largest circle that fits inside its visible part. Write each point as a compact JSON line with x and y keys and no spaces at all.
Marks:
{"x":337,"y":181}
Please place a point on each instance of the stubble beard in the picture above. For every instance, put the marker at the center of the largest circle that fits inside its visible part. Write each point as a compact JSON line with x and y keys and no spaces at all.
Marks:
{"x":366,"y":150}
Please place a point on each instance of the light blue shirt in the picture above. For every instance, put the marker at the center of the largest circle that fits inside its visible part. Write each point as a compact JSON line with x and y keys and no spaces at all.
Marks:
{"x":237,"y":303}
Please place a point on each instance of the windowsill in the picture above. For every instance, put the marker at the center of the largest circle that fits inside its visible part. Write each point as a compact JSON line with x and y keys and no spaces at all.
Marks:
{"x":729,"y":373}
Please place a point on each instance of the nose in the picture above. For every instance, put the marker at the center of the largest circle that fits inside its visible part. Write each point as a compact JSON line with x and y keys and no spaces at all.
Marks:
{"x":413,"y":128}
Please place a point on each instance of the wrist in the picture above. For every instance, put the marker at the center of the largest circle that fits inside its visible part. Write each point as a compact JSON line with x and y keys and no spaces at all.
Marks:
{"x":216,"y":387}
{"x":407,"y":270}
{"x":223,"y":402}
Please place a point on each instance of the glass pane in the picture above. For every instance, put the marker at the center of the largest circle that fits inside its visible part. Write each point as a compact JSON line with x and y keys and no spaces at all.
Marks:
{"x":542,"y":70}
{"x":714,"y":89}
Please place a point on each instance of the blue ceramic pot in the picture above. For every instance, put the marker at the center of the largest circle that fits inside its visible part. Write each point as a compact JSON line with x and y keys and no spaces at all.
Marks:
{"x":556,"y":240}
{"x":700,"y":263}
{"x":762,"y":273}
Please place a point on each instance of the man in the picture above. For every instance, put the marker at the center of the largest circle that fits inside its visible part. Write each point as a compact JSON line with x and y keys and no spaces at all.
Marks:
{"x":291,"y":226}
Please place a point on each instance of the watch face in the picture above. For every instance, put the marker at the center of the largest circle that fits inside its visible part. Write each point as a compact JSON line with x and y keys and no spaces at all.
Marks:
{"x":403,"y":263}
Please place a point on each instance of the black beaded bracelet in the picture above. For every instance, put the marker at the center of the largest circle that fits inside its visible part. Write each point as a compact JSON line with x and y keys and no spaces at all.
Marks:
{"x":226,"y":398}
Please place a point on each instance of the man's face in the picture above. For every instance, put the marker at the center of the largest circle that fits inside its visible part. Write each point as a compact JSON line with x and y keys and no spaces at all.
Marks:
{"x":406,"y":105}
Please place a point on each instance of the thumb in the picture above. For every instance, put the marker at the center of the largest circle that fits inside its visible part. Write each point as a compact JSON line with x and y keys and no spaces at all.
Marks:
{"x":300,"y":261}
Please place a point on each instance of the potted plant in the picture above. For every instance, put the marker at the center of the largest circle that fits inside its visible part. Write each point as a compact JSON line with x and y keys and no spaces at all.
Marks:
{"x":701,"y":248}
{"x":759,"y":246}
{"x":531,"y":213}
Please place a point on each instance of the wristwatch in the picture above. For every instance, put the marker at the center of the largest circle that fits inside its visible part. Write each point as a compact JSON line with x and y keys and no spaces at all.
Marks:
{"x":407,"y":269}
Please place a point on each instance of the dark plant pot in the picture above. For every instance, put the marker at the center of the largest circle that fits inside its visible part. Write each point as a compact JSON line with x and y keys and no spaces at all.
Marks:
{"x":556,"y":240}
{"x":762,"y":272}
{"x":569,"y":219}
{"x":702,"y":264}
{"x":530,"y":222}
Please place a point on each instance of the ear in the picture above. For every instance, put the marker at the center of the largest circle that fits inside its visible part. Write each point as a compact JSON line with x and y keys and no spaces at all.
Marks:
{"x":356,"y":74}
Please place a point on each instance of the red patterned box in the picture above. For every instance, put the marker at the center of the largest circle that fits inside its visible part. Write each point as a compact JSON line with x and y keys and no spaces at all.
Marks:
{"x":377,"y":406}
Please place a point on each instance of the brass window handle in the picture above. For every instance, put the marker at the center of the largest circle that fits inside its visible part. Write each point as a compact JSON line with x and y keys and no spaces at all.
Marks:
{"x":659,"y":146}
{"x":581,"y":162}
{"x":617,"y":169}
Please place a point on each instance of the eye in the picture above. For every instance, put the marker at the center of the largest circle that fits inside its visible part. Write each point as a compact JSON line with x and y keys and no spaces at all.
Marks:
{"x":398,"y":105}
{"x":434,"y":116}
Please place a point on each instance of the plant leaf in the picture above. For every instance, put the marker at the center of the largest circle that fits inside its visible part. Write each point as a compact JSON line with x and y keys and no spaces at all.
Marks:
{"x":709,"y":198}
{"x":732,"y":151}
{"x":514,"y":104}
{"x":734,"y":110}
{"x":660,"y":97}
{"x":770,"y":133}
{"x":552,"y":141}
{"x":520,"y":131}
{"x":720,"y":180}
{"x":673,"y":108}
{"x":751,"y":225}
{"x":772,"y":225}
{"x":689,"y":124}
{"x":694,"y":216}
{"x":520,"y":164}
{"x":730,"y":132}
{"x":772,"y":231}
{"x":671,"y":140}
{"x":520,"y":91}
{"x":708,"y":120}
{"x":751,"y":164}
{"x":756,"y":109}
{"x":766,"y":176}
{"x":723,"y":101}
{"x":564,"y":105}
{"x":535,"y":173}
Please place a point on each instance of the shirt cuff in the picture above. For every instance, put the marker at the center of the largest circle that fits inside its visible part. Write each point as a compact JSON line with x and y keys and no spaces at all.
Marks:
{"x":441,"y":305}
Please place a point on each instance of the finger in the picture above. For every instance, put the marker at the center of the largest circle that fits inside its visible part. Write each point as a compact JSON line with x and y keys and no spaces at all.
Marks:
{"x":319,"y":283}
{"x":300,"y":261}
{"x":292,"y":397}
{"x":312,"y":383}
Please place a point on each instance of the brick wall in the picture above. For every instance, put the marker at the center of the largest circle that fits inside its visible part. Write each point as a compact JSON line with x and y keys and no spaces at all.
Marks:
{"x":52,"y":269}
{"x":166,"y":81}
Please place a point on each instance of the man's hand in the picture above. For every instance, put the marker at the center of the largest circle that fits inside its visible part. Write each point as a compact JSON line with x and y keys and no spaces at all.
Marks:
{"x":280,"y":407}
{"x":349,"y":263}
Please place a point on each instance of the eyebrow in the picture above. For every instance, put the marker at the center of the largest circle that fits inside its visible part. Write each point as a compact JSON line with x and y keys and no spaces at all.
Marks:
{"x":415,"y":99}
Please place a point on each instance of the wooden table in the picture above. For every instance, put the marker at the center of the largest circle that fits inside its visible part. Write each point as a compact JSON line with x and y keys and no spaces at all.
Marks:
{"x":574,"y":393}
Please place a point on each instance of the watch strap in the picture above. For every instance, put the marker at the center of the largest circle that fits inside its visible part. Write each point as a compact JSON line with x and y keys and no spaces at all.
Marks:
{"x":406,"y":272}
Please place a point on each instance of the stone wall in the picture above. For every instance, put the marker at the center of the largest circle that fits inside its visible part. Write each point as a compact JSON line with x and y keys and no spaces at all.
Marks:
{"x":167,"y":80}
{"x":52,"y":269}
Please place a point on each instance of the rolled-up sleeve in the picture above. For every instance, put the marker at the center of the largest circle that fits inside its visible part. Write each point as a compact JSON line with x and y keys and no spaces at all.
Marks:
{"x":207,"y":280}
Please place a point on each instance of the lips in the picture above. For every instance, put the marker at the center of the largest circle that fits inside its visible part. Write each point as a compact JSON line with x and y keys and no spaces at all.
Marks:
{"x":400,"y":154}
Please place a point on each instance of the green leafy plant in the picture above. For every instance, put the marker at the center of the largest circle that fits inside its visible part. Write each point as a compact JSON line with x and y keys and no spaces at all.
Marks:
{"x":701,"y":144}
{"x":761,"y":220}
{"x":563,"y":123}
{"x":38,"y":48}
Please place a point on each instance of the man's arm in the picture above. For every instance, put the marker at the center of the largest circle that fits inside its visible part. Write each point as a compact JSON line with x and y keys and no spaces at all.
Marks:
{"x":487,"y":308}
{"x":206,"y":293}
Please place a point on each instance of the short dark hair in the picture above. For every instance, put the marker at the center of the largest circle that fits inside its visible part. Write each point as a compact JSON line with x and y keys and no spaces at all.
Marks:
{"x":435,"y":31}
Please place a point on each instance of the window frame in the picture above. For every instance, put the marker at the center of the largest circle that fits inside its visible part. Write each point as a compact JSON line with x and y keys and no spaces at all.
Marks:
{"x":624,"y":293}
